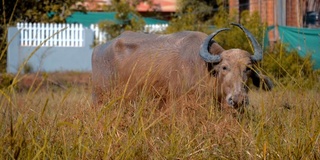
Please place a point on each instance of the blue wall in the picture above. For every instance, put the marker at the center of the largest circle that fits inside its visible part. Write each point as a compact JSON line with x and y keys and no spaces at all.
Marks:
{"x":49,"y":59}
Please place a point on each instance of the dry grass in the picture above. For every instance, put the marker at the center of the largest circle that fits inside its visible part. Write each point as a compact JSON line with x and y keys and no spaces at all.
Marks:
{"x":59,"y":122}
{"x":50,"y":116}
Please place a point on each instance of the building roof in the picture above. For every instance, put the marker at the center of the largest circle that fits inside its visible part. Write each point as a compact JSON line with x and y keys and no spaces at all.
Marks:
{"x":157,"y":5}
{"x":86,"y":19}
{"x":94,"y":5}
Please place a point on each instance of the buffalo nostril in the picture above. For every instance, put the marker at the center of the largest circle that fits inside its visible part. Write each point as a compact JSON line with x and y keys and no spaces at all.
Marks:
{"x":246,"y":101}
{"x":230,"y":101}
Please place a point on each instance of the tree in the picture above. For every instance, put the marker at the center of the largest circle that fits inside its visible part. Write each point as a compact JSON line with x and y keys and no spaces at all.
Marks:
{"x":235,"y":38}
{"x":127,"y":18}
{"x":31,"y":11}
{"x":200,"y":15}
{"x":193,"y":15}
{"x":37,"y":10}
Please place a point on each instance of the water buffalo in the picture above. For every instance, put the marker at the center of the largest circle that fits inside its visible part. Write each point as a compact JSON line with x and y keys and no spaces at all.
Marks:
{"x":174,"y":63}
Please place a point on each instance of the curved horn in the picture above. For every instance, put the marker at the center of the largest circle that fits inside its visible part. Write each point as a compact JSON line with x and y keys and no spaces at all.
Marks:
{"x":257,"y":56}
{"x":205,"y":46}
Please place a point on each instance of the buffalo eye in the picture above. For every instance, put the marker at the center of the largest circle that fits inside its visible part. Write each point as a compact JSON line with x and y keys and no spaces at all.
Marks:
{"x":224,"y":68}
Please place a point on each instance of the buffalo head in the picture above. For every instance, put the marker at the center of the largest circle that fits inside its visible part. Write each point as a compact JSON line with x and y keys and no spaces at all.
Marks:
{"x":232,"y":68}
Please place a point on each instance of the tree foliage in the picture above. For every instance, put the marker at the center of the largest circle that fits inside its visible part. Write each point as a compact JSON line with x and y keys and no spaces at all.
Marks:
{"x":192,"y":15}
{"x":127,"y":18}
{"x":37,"y":11}
{"x":202,"y":16}
{"x":188,"y":21}
{"x":236,"y":38}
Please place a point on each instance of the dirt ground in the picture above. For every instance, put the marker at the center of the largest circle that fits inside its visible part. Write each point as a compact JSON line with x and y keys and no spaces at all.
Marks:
{"x":59,"y":79}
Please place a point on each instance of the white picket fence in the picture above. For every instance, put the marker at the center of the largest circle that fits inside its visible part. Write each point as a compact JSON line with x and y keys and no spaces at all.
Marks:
{"x":155,"y":28}
{"x":101,"y":36}
{"x":66,"y":35}
{"x":51,"y":34}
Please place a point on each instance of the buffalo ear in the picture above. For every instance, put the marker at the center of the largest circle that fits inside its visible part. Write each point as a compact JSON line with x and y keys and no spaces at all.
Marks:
{"x":211,"y":69}
{"x":215,"y":48}
{"x":261,"y":80}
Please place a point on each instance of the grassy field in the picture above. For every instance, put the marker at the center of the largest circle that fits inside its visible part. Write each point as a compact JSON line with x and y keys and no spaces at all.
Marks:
{"x":50,"y":116}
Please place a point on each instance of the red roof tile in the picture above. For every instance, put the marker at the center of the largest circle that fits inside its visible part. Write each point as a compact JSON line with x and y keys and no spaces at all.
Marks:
{"x":158,"y":5}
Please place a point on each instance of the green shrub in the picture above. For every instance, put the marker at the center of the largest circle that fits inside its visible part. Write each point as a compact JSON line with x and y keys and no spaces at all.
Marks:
{"x":289,"y":68}
{"x":235,"y":38}
{"x":5,"y":80}
{"x":286,"y":67}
